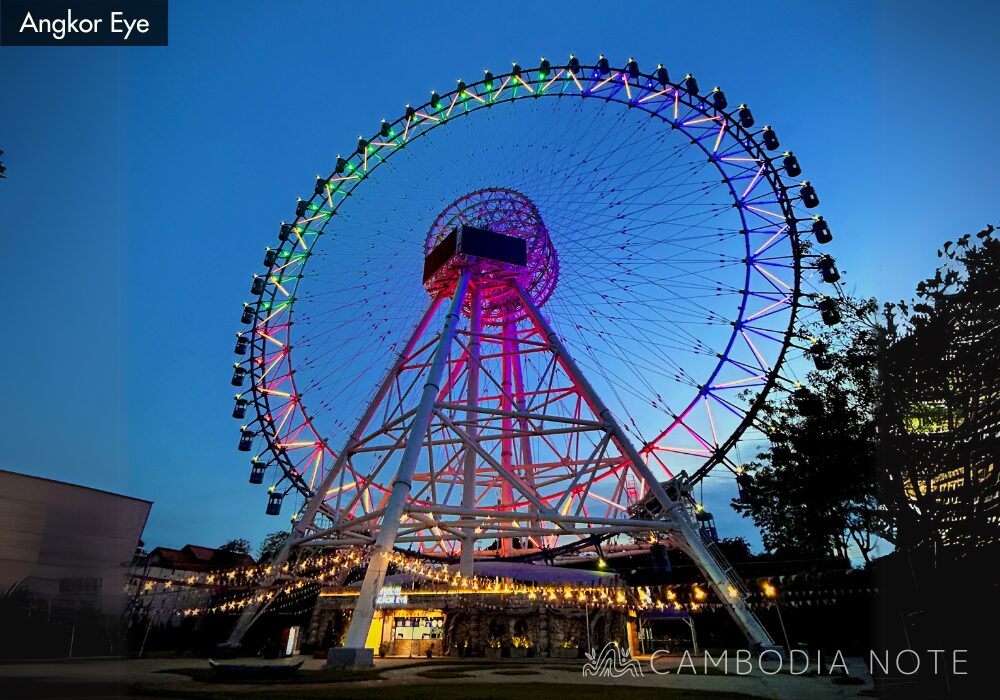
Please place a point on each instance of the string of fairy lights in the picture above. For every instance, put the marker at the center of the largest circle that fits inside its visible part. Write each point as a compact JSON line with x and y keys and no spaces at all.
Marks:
{"x":297,"y":584}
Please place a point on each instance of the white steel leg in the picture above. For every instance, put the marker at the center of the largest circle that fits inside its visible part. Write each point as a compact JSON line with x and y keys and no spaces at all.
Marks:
{"x":364,"y":609}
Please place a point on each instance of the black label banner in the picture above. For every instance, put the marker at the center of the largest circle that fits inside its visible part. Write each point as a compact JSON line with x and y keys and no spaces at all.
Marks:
{"x":83,"y":23}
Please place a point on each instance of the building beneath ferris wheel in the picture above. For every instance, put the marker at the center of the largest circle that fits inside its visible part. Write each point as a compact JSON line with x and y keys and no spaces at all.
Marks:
{"x":412,"y":621}
{"x":635,"y":593}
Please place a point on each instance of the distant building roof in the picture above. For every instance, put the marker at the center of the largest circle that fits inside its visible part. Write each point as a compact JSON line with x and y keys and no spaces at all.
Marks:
{"x":69,"y":485}
{"x":537,"y":573}
{"x":192,"y":557}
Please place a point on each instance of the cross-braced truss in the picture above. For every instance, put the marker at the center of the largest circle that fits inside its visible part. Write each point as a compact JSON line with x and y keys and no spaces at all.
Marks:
{"x":468,"y":451}
{"x":513,"y":456}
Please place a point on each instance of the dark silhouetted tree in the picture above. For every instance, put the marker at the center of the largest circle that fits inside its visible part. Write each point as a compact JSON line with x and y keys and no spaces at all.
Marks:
{"x":943,"y":399}
{"x":735,"y":549}
{"x":271,"y":546}
{"x":237,"y":546}
{"x":816,"y":490}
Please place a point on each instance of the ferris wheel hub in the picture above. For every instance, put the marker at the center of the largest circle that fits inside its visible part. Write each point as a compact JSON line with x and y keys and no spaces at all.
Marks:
{"x":499,"y":235}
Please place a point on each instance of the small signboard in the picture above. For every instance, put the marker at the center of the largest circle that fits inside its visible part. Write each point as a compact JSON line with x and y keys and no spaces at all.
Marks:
{"x":389,"y":596}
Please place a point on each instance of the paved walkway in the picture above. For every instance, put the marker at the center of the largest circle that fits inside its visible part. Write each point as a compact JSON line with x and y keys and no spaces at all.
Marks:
{"x":119,"y":678}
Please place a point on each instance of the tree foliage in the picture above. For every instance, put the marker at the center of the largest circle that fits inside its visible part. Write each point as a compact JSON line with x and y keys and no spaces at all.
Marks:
{"x":236,"y":546}
{"x":902,"y":432}
{"x":735,"y":549}
{"x":943,"y":398}
{"x":815,"y":488}
{"x":271,"y":545}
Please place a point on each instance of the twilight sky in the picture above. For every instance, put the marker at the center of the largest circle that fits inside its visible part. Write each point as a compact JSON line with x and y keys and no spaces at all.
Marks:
{"x":144,"y":183}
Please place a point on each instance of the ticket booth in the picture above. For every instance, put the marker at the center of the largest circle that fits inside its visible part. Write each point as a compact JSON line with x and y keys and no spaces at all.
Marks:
{"x":402,"y":629}
{"x":414,"y":632}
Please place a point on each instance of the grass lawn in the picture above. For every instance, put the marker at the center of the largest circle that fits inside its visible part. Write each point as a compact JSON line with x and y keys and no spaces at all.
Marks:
{"x":443,"y":673}
{"x":516,"y":672}
{"x":323,"y":675}
{"x":449,"y":670}
{"x":453,"y":691}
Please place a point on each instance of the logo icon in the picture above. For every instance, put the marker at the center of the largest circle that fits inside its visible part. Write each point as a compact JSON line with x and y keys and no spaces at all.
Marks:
{"x":612,"y":662}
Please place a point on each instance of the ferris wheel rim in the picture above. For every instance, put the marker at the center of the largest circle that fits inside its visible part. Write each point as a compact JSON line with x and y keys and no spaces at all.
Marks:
{"x":695,"y":101}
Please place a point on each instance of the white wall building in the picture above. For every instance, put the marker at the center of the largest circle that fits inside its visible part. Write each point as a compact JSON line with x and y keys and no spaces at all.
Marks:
{"x":70,"y":545}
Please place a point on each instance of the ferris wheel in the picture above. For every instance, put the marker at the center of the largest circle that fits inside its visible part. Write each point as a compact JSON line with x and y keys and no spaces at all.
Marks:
{"x":515,"y":317}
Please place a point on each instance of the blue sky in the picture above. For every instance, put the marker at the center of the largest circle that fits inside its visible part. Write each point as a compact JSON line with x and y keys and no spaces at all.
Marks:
{"x":144,"y":183}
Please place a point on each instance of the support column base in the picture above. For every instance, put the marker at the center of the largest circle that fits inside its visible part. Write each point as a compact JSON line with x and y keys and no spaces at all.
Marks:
{"x":343,"y":657}
{"x":227,"y":650}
